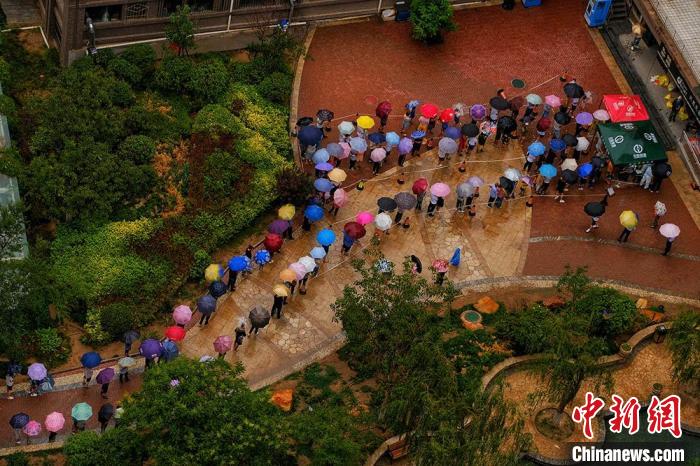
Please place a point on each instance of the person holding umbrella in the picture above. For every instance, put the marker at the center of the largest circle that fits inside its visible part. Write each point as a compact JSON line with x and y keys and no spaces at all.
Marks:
{"x":17,"y":422}
{"x":124,"y":364}
{"x":240,"y":334}
{"x":259,"y":318}
{"x":222,"y":345}
{"x":629,"y":221}
{"x":420,"y":186}
{"x":417,"y":137}
{"x":53,"y":423}
{"x":206,"y":305}
{"x":659,"y":211}
{"x":104,"y":377}
{"x":670,"y":232}
{"x":80,"y":413}
{"x":104,"y":415}
{"x":130,"y":336}
{"x":281,"y":292}
{"x":595,"y":210}
{"x":12,"y":369}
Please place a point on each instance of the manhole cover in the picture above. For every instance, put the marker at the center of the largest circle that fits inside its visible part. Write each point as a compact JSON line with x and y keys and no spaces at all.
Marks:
{"x":518,"y":83}
{"x":371,"y":100}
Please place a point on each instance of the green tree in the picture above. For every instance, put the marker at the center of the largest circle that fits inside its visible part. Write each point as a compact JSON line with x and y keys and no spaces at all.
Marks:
{"x":204,"y":413}
{"x":430,"y":18}
{"x":392,"y":333}
{"x":115,"y":446}
{"x":574,"y":283}
{"x":684,"y":342}
{"x":484,"y":430}
{"x":180,"y":30}
{"x":11,"y":230}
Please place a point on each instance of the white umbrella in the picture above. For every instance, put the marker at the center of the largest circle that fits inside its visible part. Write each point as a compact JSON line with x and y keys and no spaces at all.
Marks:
{"x":383,"y":221}
{"x":465,"y":190}
{"x":308,"y":262}
{"x":583,"y":144}
{"x":569,"y":164}
{"x":669,"y":230}
{"x":447,"y":146}
{"x":346,"y":128}
{"x":512,"y":174}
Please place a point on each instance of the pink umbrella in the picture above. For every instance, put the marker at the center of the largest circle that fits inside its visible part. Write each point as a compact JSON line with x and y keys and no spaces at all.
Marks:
{"x":223,"y":343}
{"x":669,"y":230}
{"x":364,"y":218}
{"x":298,"y":269}
{"x":182,"y":314}
{"x":601,"y":115}
{"x":32,"y":428}
{"x":54,"y":422}
{"x":527,"y":180}
{"x":378,"y":154}
{"x":346,"y":150}
{"x":340,"y":197}
{"x":440,"y":265}
{"x":440,"y":189}
{"x":552,"y":101}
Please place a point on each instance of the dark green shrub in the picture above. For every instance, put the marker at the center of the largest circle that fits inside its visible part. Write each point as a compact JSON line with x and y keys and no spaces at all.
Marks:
{"x":17,"y":459}
{"x":201,"y":260}
{"x":138,"y":149}
{"x":276,"y":87}
{"x":215,"y":119}
{"x":126,"y":70}
{"x":611,"y":312}
{"x":430,"y":18}
{"x":117,"y":318}
{"x":294,"y":186}
{"x":174,"y":74}
{"x":529,"y":331}
{"x":143,"y":56}
{"x":221,"y":172}
{"x":4,"y":71}
{"x":51,"y":346}
{"x":116,"y":446}
{"x":209,"y":82}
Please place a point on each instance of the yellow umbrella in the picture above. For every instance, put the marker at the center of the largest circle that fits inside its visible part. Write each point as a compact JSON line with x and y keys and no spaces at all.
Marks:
{"x":288,"y":275}
{"x":286,"y":212}
{"x":337,"y":175}
{"x":628,"y":219}
{"x":280,"y":290}
{"x":212,"y":273}
{"x":365,"y":122}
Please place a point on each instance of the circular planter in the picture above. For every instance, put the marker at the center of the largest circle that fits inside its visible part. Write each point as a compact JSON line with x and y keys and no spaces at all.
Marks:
{"x":471,"y":320}
{"x":625,"y":350}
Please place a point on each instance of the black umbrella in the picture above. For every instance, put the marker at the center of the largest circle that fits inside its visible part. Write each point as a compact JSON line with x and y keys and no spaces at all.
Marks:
{"x":470,"y":130}
{"x":417,"y":262}
{"x":569,"y":176}
{"x":573,"y":90}
{"x":570,"y":140}
{"x":562,"y":118}
{"x":386,"y":204}
{"x":507,"y":124}
{"x":310,"y":135}
{"x":499,"y":103}
{"x":259,"y":316}
{"x":596,"y":161}
{"x":594,"y":209}
{"x":130,"y":336}
{"x":14,"y":368}
{"x":324,"y":114}
{"x":19,"y":420}
{"x":217,"y":289}
{"x":506,"y":184}
{"x":106,"y":412}
{"x":304,"y":121}
{"x":662,"y":170}
{"x":405,"y":200}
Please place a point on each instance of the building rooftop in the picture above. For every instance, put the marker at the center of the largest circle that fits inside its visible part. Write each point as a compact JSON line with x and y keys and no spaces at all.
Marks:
{"x":682,"y":20}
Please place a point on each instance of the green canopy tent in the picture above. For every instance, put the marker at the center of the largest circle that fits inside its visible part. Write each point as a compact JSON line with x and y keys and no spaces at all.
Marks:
{"x":632,"y":143}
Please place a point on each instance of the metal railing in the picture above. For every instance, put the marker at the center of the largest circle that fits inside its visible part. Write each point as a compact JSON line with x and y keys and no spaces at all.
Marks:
{"x":689,"y":149}
{"x":689,"y":49}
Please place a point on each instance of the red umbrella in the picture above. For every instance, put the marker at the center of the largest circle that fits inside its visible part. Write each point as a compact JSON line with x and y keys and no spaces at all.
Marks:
{"x":383,"y":109}
{"x":429,"y":110}
{"x":447,"y":115}
{"x":420,"y":186}
{"x":544,"y":124}
{"x":273,"y":242}
{"x":223,"y":343}
{"x":175,"y":333}
{"x":354,"y":230}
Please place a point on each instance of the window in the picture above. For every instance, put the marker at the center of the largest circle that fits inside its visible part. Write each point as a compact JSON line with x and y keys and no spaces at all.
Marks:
{"x":137,"y":10}
{"x":170,"y":6}
{"x":201,"y":5}
{"x":104,"y":14}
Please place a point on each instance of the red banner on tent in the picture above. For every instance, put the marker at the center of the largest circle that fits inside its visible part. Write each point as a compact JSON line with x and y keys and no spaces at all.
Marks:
{"x":625,"y":108}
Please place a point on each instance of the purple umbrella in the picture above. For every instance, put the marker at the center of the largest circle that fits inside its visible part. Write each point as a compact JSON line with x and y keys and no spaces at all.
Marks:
{"x":324,"y":167}
{"x":278,"y":226}
{"x":584,"y":118}
{"x":151,"y":348}
{"x":478,"y":112}
{"x":105,"y":375}
{"x":453,"y":132}
{"x":405,"y":146}
{"x":37,"y":371}
{"x":475,"y":181}
{"x":334,"y":149}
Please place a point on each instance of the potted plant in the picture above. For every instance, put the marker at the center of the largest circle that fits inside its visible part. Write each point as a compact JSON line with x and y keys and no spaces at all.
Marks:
{"x":430,"y":18}
{"x":625,"y":349}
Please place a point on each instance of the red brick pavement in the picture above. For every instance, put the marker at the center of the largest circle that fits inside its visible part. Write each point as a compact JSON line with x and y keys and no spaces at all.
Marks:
{"x":63,"y":402}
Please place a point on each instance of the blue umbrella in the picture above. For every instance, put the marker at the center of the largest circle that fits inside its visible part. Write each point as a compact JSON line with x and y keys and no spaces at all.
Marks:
{"x":412,"y":104}
{"x":418,"y":134}
{"x":557,"y":145}
{"x":358,"y":144}
{"x":313,"y":213}
{"x":323,"y":185}
{"x":262,"y":257}
{"x":548,"y":170}
{"x":585,"y":170}
{"x":325,"y":237}
{"x":170,"y":350}
{"x":334,"y":149}
{"x":536,"y":149}
{"x":206,"y":304}
{"x":318,"y":253}
{"x":90,"y":359}
{"x":322,"y":155}
{"x":377,"y":138}
{"x":392,"y":138}
{"x":151,"y":348}
{"x":324,"y":166}
{"x":453,"y":132}
{"x":217,"y":289}
{"x":19,"y":420}
{"x":310,"y":135}
{"x":238,"y":263}
{"x":456,"y":257}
